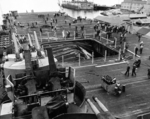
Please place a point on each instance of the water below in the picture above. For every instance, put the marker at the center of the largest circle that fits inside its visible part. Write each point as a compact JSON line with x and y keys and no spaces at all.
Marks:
{"x":83,"y":14}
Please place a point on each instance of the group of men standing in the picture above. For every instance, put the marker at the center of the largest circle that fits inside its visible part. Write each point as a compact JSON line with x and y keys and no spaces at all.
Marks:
{"x":136,"y":65}
{"x":139,"y":48}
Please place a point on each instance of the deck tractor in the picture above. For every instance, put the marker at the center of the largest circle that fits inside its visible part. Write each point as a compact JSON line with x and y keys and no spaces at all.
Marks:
{"x":112,"y":86}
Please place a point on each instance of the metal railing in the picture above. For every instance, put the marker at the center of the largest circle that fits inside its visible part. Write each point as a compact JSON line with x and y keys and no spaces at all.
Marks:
{"x":88,"y":62}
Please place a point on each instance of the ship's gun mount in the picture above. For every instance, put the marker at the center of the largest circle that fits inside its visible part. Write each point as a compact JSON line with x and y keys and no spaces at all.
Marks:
{"x":54,"y":101}
{"x":57,"y":76}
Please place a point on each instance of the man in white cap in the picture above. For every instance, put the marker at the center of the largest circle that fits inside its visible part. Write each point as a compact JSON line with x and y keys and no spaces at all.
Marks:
{"x":141,"y":49}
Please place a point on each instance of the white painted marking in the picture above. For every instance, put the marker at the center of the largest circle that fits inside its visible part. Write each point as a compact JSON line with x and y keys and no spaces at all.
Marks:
{"x":133,"y":53}
{"x":85,"y":66}
{"x":112,"y":64}
{"x":136,"y":82}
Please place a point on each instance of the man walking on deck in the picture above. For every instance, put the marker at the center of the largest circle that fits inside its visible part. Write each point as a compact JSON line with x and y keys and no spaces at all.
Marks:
{"x":134,"y":70}
{"x":139,"y":36}
{"x":136,"y":50}
{"x":63,"y":34}
{"x":141,"y":49}
{"x":128,"y":70}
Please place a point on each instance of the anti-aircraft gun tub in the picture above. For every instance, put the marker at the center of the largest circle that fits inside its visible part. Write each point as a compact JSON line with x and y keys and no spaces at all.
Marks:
{"x":111,"y":85}
{"x":46,"y":91}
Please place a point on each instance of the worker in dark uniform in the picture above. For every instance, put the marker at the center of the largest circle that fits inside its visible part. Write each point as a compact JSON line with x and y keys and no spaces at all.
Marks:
{"x":138,"y":63}
{"x":139,"y":37}
{"x":128,"y":70}
{"x":56,"y":20}
{"x":82,"y":34}
{"x":41,"y":30}
{"x":117,"y":89}
{"x":76,"y":34}
{"x":134,"y":70}
{"x":68,"y":34}
{"x":136,"y":50}
{"x":121,"y":38}
{"x":97,"y":33}
{"x":69,"y":25}
{"x":82,"y":28}
{"x":76,"y":28}
{"x":94,"y":27}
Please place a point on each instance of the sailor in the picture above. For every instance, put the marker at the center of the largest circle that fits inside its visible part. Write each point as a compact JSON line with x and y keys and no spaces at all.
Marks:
{"x":76,"y":28}
{"x":54,"y":15}
{"x":141,"y":49}
{"x":82,"y":27}
{"x":76,"y":34}
{"x":55,"y":32}
{"x":124,"y":37}
{"x":141,"y":43}
{"x":98,"y":32}
{"x":139,"y":36}
{"x":134,"y":70}
{"x":70,"y":25}
{"x":80,"y":19}
{"x":138,"y":63}
{"x":128,"y":70}
{"x":41,"y":30}
{"x":56,"y":20}
{"x":63,"y":33}
{"x":136,"y":50}
{"x":94,"y":28}
{"x":68,"y":34}
{"x":82,"y":34}
{"x":74,"y":21}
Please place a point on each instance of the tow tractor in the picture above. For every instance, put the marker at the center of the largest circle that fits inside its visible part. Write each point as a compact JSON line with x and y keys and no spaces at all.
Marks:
{"x":111,"y":85}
